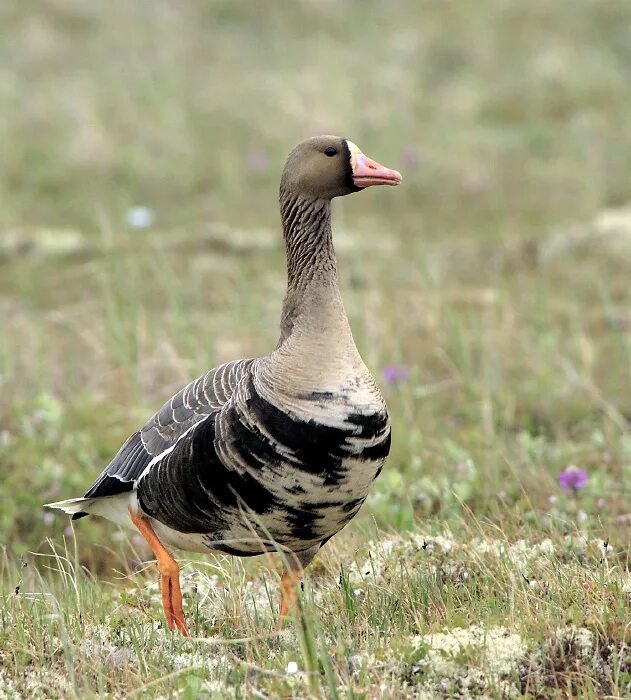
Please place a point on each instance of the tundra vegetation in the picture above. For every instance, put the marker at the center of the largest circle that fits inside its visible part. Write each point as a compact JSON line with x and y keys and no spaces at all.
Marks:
{"x":139,"y":246}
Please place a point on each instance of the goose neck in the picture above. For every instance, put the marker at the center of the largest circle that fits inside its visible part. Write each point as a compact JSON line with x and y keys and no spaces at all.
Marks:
{"x":308,"y":241}
{"x":313,"y":304}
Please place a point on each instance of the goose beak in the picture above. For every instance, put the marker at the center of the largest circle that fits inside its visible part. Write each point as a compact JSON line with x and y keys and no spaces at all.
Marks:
{"x":367,"y":172}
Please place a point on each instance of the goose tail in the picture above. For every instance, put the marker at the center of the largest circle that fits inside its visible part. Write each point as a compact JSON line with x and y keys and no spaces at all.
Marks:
{"x":76,"y":507}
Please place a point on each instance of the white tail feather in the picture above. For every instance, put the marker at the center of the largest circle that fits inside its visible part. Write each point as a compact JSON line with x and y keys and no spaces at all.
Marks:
{"x":72,"y":505}
{"x":115,"y":508}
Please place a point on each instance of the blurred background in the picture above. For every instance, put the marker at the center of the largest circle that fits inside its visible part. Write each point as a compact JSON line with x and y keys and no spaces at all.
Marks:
{"x":141,"y":148}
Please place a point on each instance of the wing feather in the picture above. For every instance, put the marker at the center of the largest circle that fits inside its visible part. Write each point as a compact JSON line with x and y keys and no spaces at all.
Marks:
{"x":197,"y":401}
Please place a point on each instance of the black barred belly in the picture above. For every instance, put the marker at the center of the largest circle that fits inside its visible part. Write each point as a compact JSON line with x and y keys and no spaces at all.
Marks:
{"x":253,"y":473}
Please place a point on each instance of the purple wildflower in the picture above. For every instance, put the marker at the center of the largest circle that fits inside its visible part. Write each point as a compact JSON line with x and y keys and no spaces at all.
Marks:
{"x":394,"y":374}
{"x":573,"y":478}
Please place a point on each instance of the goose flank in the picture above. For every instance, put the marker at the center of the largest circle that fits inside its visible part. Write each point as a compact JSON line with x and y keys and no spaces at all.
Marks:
{"x":270,"y":453}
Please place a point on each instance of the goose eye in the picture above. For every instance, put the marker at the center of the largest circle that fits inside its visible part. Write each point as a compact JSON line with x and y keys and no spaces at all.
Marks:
{"x":330,"y":151}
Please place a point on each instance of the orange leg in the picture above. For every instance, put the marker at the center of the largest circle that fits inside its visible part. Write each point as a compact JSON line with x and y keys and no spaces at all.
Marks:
{"x":289,"y":581}
{"x":291,"y":578}
{"x":169,"y":575}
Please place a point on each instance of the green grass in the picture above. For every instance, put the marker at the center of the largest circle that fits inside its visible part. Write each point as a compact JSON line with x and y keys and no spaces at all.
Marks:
{"x":396,"y":616}
{"x":498,"y":274}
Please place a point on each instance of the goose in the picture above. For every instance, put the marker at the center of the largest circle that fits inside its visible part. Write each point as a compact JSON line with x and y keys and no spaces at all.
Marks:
{"x":273,"y":453}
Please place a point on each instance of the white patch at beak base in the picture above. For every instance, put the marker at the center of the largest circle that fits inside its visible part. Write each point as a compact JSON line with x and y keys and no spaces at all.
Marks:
{"x":355,"y":151}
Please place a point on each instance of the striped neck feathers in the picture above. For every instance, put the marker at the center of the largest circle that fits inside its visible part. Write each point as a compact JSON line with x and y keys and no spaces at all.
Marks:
{"x":312,"y":289}
{"x":308,"y":241}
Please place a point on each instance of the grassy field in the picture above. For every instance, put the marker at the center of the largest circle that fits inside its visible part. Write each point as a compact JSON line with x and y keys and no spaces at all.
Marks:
{"x":489,"y":295}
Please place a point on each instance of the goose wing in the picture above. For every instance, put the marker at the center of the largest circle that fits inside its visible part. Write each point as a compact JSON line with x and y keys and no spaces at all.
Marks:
{"x":192,"y":405}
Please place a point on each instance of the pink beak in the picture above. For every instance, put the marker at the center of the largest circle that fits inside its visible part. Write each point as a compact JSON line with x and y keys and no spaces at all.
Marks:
{"x":368,"y":172}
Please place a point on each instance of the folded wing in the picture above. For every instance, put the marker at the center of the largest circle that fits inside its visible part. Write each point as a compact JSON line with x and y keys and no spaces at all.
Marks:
{"x":200,"y":399}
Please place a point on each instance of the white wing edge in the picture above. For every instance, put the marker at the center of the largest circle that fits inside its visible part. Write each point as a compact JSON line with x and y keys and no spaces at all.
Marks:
{"x":162,"y":455}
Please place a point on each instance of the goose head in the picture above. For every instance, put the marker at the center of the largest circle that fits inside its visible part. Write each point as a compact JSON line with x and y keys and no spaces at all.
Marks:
{"x":324,"y":167}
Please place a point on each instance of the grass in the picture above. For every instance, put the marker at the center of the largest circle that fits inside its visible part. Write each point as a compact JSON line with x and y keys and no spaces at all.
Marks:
{"x":497,"y":276}
{"x":400,"y":616}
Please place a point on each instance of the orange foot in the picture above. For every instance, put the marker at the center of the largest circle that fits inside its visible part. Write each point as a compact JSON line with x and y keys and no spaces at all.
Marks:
{"x":169,"y":576}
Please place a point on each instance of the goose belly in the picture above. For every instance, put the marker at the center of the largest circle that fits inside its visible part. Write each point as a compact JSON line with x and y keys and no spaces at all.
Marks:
{"x":290,"y":508}
{"x":314,"y":464}
{"x":260,"y":475}
{"x":308,"y":509}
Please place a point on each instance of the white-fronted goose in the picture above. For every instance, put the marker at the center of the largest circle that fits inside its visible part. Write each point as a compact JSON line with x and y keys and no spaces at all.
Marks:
{"x":273,"y":452}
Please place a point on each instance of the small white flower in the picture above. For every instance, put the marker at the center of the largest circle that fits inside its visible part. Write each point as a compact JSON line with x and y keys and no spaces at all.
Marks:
{"x":140,"y":217}
{"x":292,"y":667}
{"x":48,"y":518}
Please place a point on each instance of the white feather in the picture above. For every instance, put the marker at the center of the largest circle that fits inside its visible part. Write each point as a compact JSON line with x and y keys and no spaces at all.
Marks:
{"x":72,"y":505}
{"x":114,"y":508}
